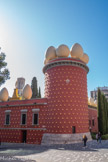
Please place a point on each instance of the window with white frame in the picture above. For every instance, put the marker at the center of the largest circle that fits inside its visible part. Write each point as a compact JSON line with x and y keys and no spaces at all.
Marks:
{"x":35,"y":120}
{"x":23,"y":117}
{"x":7,"y":117}
{"x":23,"y":121}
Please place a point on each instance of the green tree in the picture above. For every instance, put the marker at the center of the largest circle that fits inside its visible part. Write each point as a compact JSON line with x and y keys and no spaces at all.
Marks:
{"x":100,"y":116}
{"x":4,"y":72}
{"x":39,"y":92}
{"x":107,"y":117}
{"x":102,"y":113}
{"x":34,"y":88}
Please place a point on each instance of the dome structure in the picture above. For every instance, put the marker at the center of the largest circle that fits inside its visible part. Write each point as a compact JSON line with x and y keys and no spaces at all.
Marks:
{"x":27,"y":92}
{"x":50,"y":53}
{"x":4,"y":95}
{"x":62,"y":51}
{"x":85,"y":58}
{"x":76,"y":51}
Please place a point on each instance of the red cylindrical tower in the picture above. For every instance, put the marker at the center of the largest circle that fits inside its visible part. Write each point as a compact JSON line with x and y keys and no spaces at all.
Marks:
{"x":66,"y":91}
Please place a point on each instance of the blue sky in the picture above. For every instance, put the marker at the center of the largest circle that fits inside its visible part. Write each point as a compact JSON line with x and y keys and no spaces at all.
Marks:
{"x":29,"y":27}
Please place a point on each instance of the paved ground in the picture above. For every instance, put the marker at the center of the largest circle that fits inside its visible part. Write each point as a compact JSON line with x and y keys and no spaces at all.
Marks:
{"x":94,"y":152}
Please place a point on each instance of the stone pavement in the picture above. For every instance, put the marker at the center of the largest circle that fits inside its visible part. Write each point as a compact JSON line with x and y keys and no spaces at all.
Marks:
{"x":94,"y":152}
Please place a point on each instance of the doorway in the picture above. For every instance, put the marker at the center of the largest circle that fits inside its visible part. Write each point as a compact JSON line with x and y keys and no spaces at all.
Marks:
{"x":24,"y":136}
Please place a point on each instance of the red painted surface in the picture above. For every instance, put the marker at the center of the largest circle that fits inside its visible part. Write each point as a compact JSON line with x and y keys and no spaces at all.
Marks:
{"x":65,"y":105}
{"x":15,"y":136}
{"x":93,"y":115}
{"x":67,"y":102}
{"x":13,"y":132}
{"x":19,"y":102}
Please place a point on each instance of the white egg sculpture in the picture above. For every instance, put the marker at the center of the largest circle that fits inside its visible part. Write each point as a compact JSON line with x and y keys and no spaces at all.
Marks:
{"x":45,"y":61}
{"x":76,"y":51}
{"x":91,"y":101}
{"x":4,"y":95}
{"x":85,"y":58}
{"x":62,"y":51}
{"x":50,"y":53}
{"x":95,"y":102}
{"x":27,"y":92}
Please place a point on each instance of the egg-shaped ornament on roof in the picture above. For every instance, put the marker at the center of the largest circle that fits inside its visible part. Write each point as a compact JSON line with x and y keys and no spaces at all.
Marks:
{"x":91,"y":101}
{"x":76,"y":51}
{"x":85,"y":58}
{"x":4,"y":95}
{"x":62,"y":51}
{"x":50,"y":53}
{"x":45,"y":61}
{"x":95,"y":102}
{"x":27,"y":92}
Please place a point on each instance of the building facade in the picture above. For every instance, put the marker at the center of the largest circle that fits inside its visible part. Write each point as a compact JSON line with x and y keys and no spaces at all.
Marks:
{"x":93,"y":118}
{"x":60,"y":116}
{"x":23,"y":121}
{"x":63,"y":115}
{"x":104,"y":90}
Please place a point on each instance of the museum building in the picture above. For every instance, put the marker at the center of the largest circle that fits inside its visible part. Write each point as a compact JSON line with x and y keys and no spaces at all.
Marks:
{"x":63,"y":115}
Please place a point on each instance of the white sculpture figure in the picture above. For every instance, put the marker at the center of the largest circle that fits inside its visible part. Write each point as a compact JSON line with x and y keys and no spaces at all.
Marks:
{"x":20,"y":83}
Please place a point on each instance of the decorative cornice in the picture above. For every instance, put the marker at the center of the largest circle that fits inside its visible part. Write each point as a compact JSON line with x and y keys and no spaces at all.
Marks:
{"x":18,"y":105}
{"x":24,"y":128}
{"x":65,"y":63}
{"x":7,"y":111}
{"x":35,"y":110}
{"x":92,"y":107}
{"x":24,"y":110}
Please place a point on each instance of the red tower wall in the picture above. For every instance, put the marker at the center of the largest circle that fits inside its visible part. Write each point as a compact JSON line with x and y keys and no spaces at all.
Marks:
{"x":66,"y":91}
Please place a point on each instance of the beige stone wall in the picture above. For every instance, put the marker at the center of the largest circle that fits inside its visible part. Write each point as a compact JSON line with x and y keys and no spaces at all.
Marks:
{"x":63,"y":138}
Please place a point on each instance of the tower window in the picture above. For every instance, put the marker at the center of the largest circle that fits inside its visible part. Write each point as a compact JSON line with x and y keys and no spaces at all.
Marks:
{"x":73,"y":129}
{"x":93,"y":122}
{"x":89,"y":122}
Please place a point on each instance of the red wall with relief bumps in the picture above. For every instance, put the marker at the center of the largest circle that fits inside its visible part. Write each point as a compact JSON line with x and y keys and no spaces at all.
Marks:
{"x":93,"y":115}
{"x":14,"y":131}
{"x":66,"y":91}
